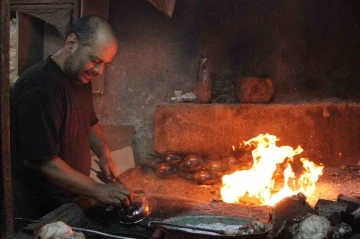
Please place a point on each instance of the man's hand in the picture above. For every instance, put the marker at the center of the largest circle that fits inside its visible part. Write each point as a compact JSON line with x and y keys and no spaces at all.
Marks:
{"x":114,"y":194}
{"x":100,"y":147}
{"x":109,"y":169}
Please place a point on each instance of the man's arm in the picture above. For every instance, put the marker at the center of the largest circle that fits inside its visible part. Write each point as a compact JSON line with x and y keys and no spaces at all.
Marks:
{"x":62,"y":175}
{"x":39,"y":118}
{"x":100,"y":147}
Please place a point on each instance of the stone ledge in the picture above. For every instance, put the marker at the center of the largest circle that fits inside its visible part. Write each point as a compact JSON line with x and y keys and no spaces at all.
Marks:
{"x":328,"y":132}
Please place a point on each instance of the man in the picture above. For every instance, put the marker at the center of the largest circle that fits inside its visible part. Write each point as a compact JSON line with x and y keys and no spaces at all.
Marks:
{"x":53,"y":125}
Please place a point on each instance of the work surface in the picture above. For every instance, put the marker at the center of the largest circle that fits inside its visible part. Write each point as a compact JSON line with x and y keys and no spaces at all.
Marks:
{"x":181,"y":196}
{"x":206,"y":199}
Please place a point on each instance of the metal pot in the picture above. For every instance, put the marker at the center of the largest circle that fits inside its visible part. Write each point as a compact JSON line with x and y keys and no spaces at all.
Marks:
{"x":201,"y":220}
{"x":137,"y":211}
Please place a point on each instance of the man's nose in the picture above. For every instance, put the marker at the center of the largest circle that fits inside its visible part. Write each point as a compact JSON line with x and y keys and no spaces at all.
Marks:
{"x":99,"y":68}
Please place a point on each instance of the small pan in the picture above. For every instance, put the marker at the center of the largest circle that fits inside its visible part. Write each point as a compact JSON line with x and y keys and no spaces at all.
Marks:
{"x":138,"y":210}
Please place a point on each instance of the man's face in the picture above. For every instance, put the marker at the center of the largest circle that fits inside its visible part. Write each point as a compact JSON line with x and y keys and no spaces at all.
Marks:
{"x":86,"y":62}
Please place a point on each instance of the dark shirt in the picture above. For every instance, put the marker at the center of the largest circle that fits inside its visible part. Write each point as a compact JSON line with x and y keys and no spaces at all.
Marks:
{"x":50,"y":116}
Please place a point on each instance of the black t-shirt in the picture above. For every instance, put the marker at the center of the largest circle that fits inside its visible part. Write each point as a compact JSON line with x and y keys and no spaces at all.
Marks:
{"x":50,"y":115}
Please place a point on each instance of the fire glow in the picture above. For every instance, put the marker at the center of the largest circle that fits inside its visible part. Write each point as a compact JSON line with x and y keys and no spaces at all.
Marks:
{"x":258,"y":181}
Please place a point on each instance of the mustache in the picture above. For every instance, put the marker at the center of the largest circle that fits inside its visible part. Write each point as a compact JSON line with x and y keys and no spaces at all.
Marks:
{"x":91,"y":73}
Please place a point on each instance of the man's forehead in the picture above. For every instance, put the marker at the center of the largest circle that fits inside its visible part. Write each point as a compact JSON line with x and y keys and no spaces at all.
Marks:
{"x":103,"y":36}
{"x":104,"y":51}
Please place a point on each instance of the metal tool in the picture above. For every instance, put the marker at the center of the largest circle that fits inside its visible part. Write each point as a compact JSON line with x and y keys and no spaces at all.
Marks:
{"x":221,"y":232}
{"x":356,"y":211}
{"x":101,"y":175}
{"x":78,"y":229}
{"x":239,"y":227}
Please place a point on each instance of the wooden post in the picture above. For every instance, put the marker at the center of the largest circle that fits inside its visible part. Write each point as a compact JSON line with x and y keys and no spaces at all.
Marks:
{"x":6,"y":212}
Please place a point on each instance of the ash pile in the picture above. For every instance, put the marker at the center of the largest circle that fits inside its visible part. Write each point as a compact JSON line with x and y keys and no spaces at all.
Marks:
{"x":293,"y":217}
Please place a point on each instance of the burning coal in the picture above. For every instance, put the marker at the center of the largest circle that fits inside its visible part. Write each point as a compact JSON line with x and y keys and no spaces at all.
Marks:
{"x":259,"y":182}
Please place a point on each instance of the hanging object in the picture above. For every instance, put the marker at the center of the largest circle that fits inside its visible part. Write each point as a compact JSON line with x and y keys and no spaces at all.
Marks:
{"x":164,"y":6}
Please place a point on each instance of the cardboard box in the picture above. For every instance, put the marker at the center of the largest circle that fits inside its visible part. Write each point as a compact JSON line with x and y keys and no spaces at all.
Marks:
{"x":119,"y":138}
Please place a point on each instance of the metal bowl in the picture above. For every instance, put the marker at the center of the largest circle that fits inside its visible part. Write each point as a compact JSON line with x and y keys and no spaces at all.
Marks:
{"x":167,"y":170}
{"x":206,"y":178}
{"x":173,"y":157}
{"x":138,"y":210}
{"x":217,"y":166}
{"x":192,"y":164}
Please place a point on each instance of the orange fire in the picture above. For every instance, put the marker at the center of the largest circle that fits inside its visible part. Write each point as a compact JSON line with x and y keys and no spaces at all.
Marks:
{"x":258,"y":181}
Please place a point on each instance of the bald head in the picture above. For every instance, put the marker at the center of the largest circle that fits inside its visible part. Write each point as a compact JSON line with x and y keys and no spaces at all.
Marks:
{"x":91,"y":29}
{"x":90,"y":45}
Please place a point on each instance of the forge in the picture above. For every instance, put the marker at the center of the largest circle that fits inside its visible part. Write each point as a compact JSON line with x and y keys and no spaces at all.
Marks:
{"x":179,"y":196}
{"x":322,"y":129}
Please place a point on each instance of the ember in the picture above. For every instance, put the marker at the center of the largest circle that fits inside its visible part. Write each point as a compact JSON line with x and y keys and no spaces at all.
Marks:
{"x":259,"y":182}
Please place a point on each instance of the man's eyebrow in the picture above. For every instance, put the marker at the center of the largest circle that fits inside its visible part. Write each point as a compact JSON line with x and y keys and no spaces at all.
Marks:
{"x":98,"y":58}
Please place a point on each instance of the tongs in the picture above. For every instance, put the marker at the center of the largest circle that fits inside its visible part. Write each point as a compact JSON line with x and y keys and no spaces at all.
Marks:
{"x":100,"y":175}
{"x":130,"y":212}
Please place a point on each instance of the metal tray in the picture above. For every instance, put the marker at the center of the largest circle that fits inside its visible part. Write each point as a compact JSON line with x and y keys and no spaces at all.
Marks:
{"x":196,"y":220}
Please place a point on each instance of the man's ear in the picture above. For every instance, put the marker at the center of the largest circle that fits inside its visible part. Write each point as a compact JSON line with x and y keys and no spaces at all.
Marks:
{"x":71,"y":43}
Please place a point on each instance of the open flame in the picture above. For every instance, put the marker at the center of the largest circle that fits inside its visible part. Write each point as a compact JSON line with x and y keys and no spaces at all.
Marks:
{"x":258,"y":181}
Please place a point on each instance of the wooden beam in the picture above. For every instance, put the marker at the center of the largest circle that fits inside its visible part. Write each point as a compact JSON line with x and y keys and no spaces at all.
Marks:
{"x":48,"y":4}
{"x":31,"y":2}
{"x":6,"y":217}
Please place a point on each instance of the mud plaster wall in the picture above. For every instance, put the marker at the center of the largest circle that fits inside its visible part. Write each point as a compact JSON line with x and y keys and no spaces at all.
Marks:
{"x":326,"y":131}
{"x":310,"y":49}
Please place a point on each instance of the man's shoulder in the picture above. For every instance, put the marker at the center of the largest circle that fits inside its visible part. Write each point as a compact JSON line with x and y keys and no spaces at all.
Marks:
{"x":42,"y":70}
{"x":41,"y":77}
